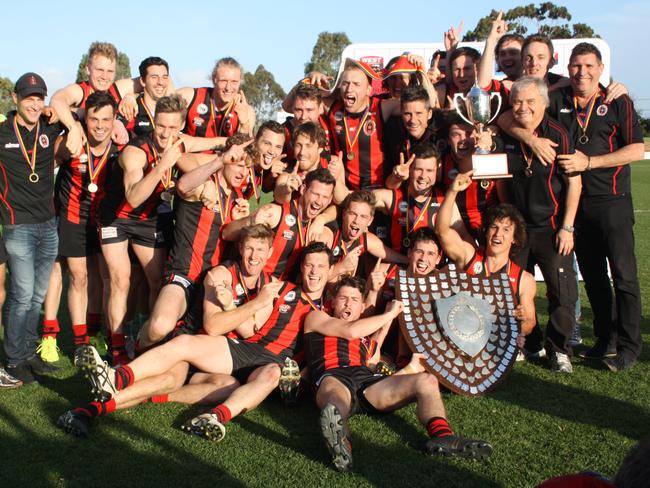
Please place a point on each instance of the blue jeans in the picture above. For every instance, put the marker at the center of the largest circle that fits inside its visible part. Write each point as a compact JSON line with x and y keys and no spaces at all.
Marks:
{"x":32,"y":249}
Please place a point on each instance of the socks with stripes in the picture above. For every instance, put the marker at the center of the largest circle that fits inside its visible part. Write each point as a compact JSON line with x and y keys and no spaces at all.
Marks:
{"x":223,"y":413}
{"x":439,"y":427}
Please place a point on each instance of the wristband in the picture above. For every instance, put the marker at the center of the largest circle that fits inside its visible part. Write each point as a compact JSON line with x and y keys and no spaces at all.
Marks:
{"x":568,"y":228}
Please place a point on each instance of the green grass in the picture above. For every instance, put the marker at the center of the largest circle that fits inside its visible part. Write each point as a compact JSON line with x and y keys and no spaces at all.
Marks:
{"x":540,"y":424}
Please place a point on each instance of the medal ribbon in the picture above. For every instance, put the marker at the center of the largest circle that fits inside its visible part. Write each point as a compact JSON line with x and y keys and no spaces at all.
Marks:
{"x":166,"y":178}
{"x":527,"y":157}
{"x":420,"y":215}
{"x":240,"y":276}
{"x":220,"y":197}
{"x":359,"y":129}
{"x":213,"y":115}
{"x":583,"y":121}
{"x":256,"y":193}
{"x":94,"y":170}
{"x":303,"y":235}
{"x":31,"y":162}
{"x":313,"y":304}
{"x":148,"y":112}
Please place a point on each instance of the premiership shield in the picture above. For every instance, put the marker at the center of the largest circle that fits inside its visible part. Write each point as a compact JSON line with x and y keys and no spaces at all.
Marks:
{"x":464,"y":326}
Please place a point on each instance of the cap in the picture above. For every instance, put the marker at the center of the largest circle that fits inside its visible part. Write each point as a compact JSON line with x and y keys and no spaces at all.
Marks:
{"x":402,"y":66}
{"x":30,"y":84}
{"x":365,"y":67}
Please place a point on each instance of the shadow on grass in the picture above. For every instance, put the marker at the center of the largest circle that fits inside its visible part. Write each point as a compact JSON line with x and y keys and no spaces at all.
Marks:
{"x":574,"y":404}
{"x":108,"y":459}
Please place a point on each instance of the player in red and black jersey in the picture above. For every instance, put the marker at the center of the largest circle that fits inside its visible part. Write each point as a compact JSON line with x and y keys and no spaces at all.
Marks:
{"x":197,"y":245}
{"x":267,"y":160}
{"x":102,"y":59}
{"x":608,"y":137}
{"x":462,"y":140}
{"x":307,"y":107}
{"x":220,"y":111}
{"x":79,"y":188}
{"x":416,"y":202}
{"x":256,"y":360}
{"x":353,"y":245}
{"x":292,"y":223}
{"x":339,"y":348}
{"x":504,"y":234}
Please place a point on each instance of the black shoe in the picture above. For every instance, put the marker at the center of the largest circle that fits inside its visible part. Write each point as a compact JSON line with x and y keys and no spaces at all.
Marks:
{"x":22,"y":372}
{"x":600,"y":350}
{"x":74,"y":422}
{"x":41,"y":367}
{"x":331,"y":425}
{"x":619,"y":363}
{"x":453,"y":445}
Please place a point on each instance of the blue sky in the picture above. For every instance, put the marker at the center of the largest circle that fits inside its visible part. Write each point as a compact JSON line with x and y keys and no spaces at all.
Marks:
{"x":50,"y":37}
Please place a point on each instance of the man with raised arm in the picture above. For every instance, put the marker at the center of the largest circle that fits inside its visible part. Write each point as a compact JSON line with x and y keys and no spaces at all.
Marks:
{"x":338,"y":348}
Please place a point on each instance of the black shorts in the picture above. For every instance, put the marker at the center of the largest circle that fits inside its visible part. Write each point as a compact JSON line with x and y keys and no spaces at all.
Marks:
{"x":248,"y":356}
{"x":193,"y":297}
{"x":356,"y":379}
{"x":3,"y":252}
{"x":155,"y":233}
{"x":77,"y":240}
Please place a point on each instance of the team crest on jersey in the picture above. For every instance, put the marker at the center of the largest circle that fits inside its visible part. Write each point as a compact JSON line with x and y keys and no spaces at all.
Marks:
{"x":452,"y":173}
{"x":83,"y":158}
{"x":369,"y":128}
{"x":290,"y":220}
{"x":202,"y":109}
{"x":284,"y":308}
{"x":290,"y":297}
{"x":82,"y":168}
{"x":403,"y":206}
{"x":336,"y":251}
{"x":44,"y":141}
{"x":198,"y":121}
{"x":478,"y":267}
{"x":287,"y":235}
{"x":239,"y":289}
{"x":602,"y":110}
{"x":338,"y":115}
{"x":338,"y":129}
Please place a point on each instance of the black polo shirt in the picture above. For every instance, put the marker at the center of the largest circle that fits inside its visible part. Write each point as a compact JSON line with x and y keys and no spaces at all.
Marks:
{"x":396,"y":139}
{"x":21,"y":201}
{"x":611,"y":127}
{"x":539,"y":197}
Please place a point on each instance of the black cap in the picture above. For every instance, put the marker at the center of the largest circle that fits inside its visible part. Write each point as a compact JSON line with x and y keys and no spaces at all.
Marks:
{"x":30,"y":84}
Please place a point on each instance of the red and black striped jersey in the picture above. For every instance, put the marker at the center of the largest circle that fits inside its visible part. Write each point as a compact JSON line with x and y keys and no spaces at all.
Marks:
{"x":328,"y":352}
{"x":204,"y":120}
{"x":143,"y":122}
{"x":290,"y":237}
{"x":405,"y":208}
{"x":114,"y":205}
{"x":474,"y":201}
{"x":610,"y":127}
{"x":281,"y":334}
{"x":74,"y":201}
{"x":252,"y":184}
{"x":198,"y":245}
{"x":361,"y":144}
{"x":21,"y":200}
{"x":478,"y":266}
{"x":88,"y":90}
{"x":540,"y":194}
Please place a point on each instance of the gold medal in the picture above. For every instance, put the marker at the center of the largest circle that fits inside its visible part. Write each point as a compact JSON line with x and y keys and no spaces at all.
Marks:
{"x":406,"y":242}
{"x":166,"y":196}
{"x":485,"y":184}
{"x":350,"y":156}
{"x":583,"y":139}
{"x":33,"y":178}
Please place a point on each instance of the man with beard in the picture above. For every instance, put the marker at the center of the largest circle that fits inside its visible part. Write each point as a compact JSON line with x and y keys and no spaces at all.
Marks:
{"x":254,"y":361}
{"x":235,"y":293}
{"x":291,"y":222}
{"x":220,"y":111}
{"x":197,"y":246}
{"x":338,"y":349}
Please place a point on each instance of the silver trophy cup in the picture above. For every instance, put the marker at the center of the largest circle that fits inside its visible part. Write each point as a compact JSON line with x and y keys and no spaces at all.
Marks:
{"x":475,"y":108}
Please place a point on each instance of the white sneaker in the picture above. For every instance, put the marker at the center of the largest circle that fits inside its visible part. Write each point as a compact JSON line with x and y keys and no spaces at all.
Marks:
{"x":560,"y":363}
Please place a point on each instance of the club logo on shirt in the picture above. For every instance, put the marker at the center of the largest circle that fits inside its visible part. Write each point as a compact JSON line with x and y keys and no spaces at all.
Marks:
{"x":11,"y":145}
{"x":338,"y":129}
{"x":566,"y":110}
{"x":290,"y":297}
{"x":338,"y":116}
{"x":336,"y":251}
{"x":369,"y":128}
{"x":198,"y":121}
{"x":202,"y":109}
{"x":284,"y":308}
{"x":403,"y":206}
{"x":290,"y":220}
{"x":239,"y":289}
{"x":83,"y":158}
{"x":44,"y":141}
{"x":287,"y":235}
{"x":601,"y":110}
{"x":478,"y":267}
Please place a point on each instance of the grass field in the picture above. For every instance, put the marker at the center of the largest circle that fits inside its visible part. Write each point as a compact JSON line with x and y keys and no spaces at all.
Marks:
{"x":540,"y":424}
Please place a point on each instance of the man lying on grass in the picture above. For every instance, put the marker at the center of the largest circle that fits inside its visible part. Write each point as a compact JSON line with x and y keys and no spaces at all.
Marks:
{"x":338,"y":349}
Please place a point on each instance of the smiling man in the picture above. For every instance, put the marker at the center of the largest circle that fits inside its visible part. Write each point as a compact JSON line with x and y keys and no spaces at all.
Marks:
{"x":29,"y":227}
{"x":154,"y":78}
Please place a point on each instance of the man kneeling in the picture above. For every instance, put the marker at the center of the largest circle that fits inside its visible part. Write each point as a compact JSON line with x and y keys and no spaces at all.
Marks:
{"x":338,"y":348}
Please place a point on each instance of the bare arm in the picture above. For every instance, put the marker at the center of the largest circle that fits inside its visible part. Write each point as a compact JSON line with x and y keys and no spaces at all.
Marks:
{"x":378,"y":249}
{"x":579,"y":162}
{"x":457,"y":249}
{"x":525,"y":311}
{"x":486,"y":64}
